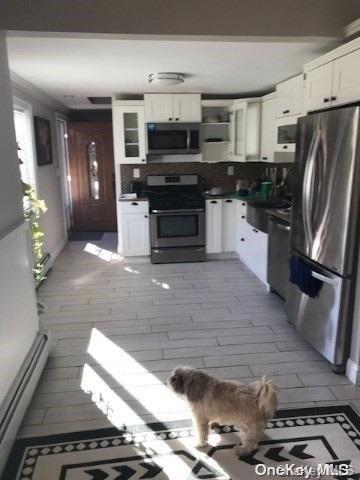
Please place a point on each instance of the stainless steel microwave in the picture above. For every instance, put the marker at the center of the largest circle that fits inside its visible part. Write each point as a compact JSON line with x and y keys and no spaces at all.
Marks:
{"x":173,"y":138}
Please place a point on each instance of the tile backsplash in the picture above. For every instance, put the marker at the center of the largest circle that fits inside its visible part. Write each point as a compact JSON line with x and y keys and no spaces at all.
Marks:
{"x":212,"y":174}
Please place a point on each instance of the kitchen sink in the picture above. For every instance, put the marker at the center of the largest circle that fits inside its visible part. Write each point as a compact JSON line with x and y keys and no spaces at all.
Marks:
{"x":256,"y":214}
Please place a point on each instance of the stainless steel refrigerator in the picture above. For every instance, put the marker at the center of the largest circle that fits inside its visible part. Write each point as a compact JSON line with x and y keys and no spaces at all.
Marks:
{"x":324,"y":231}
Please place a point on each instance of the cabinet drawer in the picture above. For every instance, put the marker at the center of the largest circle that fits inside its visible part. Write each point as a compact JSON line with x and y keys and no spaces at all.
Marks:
{"x":134,"y":206}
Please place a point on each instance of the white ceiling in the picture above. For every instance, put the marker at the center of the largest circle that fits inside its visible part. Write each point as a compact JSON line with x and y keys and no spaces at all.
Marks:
{"x":85,"y":67}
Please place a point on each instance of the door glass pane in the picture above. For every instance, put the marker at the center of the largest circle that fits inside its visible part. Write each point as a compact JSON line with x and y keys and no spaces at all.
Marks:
{"x":131,"y":134}
{"x":93,"y":171}
{"x":178,"y":226}
{"x":239,"y":132}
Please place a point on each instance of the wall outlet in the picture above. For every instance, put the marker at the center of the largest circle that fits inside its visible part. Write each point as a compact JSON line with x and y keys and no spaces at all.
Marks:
{"x":136,"y":172}
{"x":230,"y":170}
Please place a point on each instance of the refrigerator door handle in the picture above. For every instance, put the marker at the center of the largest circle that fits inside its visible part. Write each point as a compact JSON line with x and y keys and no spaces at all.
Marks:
{"x":308,"y":186}
{"x":325,"y":279}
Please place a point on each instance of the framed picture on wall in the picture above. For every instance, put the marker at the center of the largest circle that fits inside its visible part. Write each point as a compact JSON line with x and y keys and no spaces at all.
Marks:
{"x":43,"y":141}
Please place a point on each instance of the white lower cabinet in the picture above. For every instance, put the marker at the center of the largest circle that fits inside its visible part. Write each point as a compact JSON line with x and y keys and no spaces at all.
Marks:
{"x":228,"y":225}
{"x":251,"y":244}
{"x":133,"y":228}
{"x":214,"y":225}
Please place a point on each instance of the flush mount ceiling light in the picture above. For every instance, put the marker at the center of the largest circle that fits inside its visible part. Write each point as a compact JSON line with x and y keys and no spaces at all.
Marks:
{"x":166,"y":78}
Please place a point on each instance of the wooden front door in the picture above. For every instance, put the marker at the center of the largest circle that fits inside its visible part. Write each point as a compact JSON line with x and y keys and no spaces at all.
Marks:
{"x":91,"y":161}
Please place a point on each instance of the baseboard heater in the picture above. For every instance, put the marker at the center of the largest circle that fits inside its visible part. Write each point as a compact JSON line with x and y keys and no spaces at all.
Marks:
{"x":19,"y":396}
{"x":47,"y":262}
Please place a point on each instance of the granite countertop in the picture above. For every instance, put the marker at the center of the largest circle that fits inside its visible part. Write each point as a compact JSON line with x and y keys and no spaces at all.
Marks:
{"x":283,"y":215}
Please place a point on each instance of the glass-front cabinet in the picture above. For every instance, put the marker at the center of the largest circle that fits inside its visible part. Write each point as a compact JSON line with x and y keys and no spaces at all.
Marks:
{"x":129,"y":134}
{"x":245,"y":131}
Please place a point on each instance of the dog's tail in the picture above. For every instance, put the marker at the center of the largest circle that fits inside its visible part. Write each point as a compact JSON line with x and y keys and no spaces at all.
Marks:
{"x":267,"y":399}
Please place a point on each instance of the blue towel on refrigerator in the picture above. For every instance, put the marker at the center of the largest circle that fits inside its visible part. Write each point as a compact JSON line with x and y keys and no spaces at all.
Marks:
{"x":300,"y":275}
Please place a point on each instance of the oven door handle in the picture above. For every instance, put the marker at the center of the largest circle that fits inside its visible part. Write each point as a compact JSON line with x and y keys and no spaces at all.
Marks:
{"x":184,"y":210}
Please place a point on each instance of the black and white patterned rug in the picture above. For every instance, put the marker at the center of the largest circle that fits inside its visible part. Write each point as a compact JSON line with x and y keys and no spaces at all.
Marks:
{"x":319,"y":442}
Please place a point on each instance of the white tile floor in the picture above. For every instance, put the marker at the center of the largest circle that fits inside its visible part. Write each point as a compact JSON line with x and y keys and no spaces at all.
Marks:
{"x":119,"y":327}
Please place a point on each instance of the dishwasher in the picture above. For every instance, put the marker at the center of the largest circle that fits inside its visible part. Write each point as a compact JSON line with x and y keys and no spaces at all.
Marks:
{"x":278,"y":255}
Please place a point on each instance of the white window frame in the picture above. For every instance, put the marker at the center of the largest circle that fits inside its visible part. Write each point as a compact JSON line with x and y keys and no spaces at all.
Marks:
{"x":26,"y":107}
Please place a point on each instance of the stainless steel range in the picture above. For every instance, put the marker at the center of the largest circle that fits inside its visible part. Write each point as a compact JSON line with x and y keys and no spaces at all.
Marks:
{"x":177,"y":218}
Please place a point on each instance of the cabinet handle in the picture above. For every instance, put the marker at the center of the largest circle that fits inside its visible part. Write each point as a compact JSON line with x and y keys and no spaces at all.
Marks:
{"x":177,"y":118}
{"x":243,"y":204}
{"x":326,"y":100}
{"x":285,"y":146}
{"x":228,"y":201}
{"x":242,"y":216}
{"x":170,"y":118}
{"x":254,"y":230}
{"x":145,"y":216}
{"x":213,"y":201}
{"x":333,"y":99}
{"x":286,"y":111}
{"x":134,"y":203}
{"x":143,"y":159}
{"x":242,"y":239}
{"x":264,"y":158}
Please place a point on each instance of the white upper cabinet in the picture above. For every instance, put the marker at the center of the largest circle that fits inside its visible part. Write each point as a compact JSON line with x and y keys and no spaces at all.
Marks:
{"x":289,"y":97}
{"x":129,"y":134}
{"x":158,"y":107}
{"x":334,"y":78}
{"x":318,"y":86}
{"x":245,"y":131}
{"x":187,"y":107}
{"x":268,"y":128}
{"x":346,"y":79}
{"x":172,"y":107}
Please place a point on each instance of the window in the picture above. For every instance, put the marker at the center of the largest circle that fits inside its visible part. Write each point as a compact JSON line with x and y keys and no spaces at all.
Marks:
{"x":24,"y":139}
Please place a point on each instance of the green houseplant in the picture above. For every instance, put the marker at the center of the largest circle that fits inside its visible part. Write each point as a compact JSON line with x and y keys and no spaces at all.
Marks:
{"x":33,"y":209}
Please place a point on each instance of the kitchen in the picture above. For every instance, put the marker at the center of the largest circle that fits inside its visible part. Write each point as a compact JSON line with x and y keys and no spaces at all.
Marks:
{"x":210,"y":224}
{"x":219,"y":180}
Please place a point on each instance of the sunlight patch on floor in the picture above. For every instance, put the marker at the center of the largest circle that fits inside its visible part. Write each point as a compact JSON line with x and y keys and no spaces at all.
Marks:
{"x":154,"y":398}
{"x":166,"y":286}
{"x":102,"y":253}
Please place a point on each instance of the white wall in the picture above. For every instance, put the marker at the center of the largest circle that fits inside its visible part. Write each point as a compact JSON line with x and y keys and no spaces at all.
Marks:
{"x":48,"y":179}
{"x":19,"y":322}
{"x":11,"y":212}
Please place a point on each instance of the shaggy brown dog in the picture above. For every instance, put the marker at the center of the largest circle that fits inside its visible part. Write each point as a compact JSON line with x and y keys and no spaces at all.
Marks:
{"x":226,"y":402}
